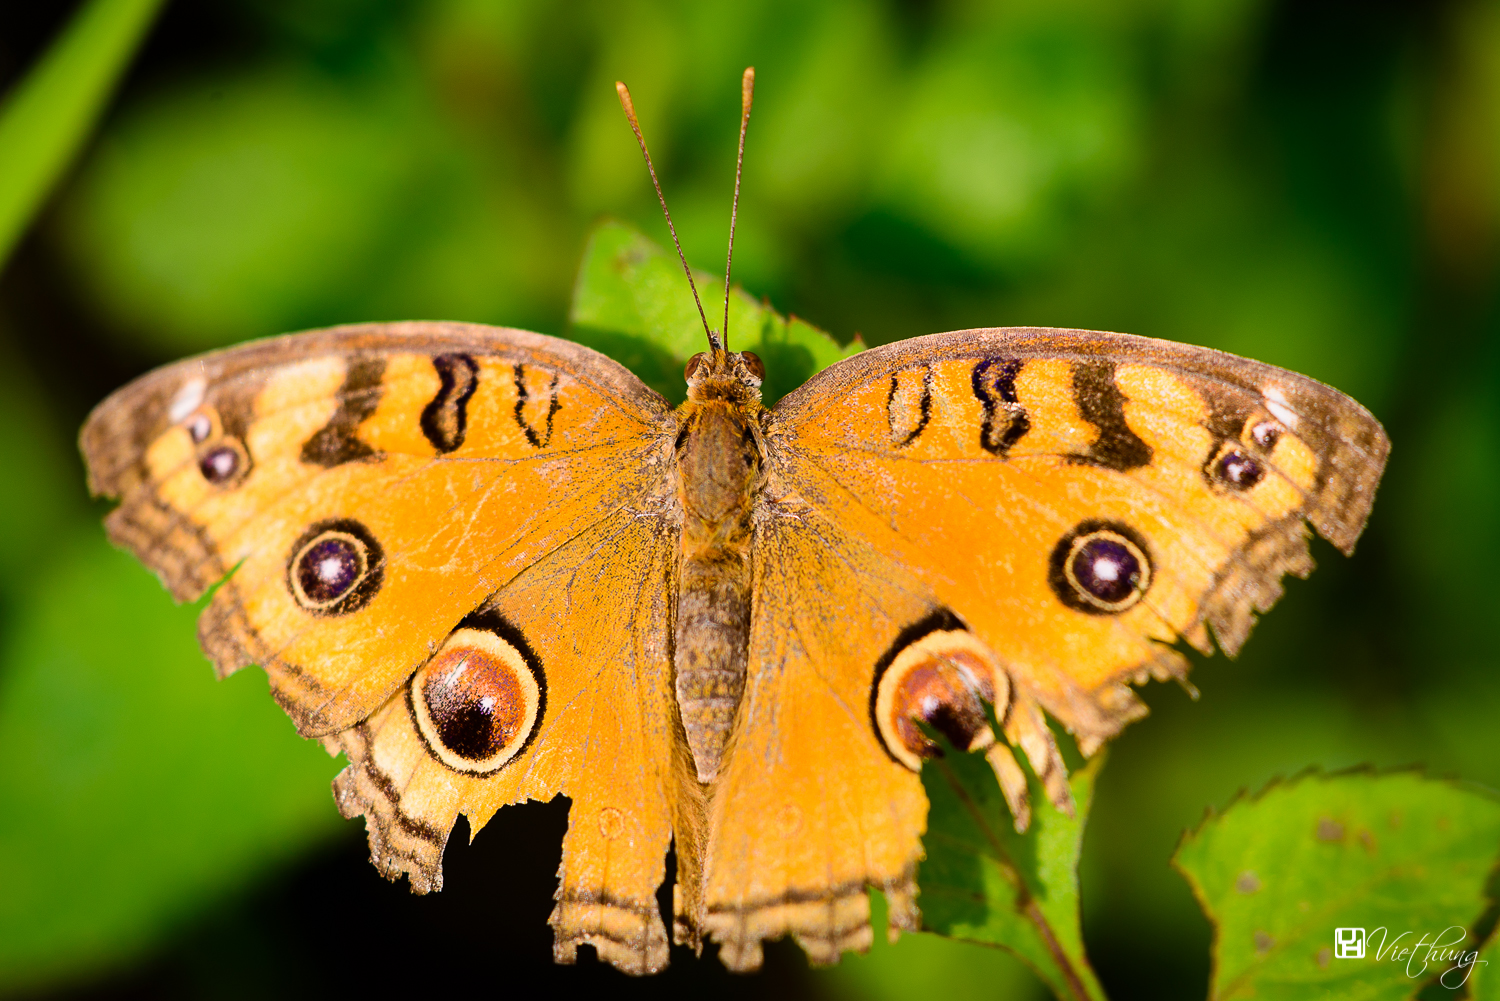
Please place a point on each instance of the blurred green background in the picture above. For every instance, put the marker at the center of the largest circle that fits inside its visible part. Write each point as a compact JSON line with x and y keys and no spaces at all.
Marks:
{"x":1314,"y":183}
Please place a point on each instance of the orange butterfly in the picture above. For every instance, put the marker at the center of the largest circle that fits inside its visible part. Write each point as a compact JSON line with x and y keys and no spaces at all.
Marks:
{"x":490,"y":566}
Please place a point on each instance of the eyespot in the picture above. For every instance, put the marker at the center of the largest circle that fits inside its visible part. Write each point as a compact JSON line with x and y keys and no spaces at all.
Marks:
{"x":694,"y":364}
{"x":219,"y":465}
{"x":942,"y":679}
{"x":478,"y":701}
{"x":225,"y":462}
{"x":1236,"y":470}
{"x":754,"y":365}
{"x":335,"y":568}
{"x":1101,"y":568}
{"x":1265,"y":434}
{"x":199,"y":426}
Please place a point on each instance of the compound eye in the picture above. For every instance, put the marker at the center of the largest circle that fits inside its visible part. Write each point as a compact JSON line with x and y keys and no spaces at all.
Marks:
{"x":695,"y":365}
{"x":754,"y":365}
{"x":1101,"y":569}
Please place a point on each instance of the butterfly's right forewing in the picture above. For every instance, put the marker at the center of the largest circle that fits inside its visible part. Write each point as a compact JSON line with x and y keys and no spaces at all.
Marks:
{"x":453,"y":549}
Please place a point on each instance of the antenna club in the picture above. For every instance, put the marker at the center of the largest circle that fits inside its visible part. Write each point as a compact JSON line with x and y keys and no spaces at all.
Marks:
{"x":747,"y":90}
{"x":625,"y":99}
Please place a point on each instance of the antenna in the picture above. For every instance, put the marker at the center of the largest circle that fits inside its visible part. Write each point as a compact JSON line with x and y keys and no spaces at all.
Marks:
{"x":714,"y":342}
{"x":747,"y":91}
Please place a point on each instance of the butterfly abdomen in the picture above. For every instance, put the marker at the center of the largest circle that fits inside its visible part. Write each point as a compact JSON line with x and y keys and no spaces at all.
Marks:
{"x":719,"y":468}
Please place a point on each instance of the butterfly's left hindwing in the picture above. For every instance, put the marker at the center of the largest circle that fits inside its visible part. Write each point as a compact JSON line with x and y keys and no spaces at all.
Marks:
{"x":594,"y":640}
{"x":451,"y":548}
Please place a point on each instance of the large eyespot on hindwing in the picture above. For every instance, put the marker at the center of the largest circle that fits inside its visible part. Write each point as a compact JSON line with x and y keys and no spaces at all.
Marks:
{"x":937,"y":673}
{"x":1101,"y":567}
{"x":479,"y":701}
{"x":335,"y":567}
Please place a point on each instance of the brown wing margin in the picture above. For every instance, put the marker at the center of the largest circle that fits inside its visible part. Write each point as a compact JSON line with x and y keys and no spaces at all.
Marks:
{"x":1349,"y":440}
{"x":118,"y":431}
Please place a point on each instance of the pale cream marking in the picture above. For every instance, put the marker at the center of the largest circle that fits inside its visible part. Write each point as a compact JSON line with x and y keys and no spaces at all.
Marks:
{"x":188,"y":399}
{"x":1277,"y":403}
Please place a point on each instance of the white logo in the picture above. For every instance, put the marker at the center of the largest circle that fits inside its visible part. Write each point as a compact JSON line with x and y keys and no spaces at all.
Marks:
{"x":1349,"y":943}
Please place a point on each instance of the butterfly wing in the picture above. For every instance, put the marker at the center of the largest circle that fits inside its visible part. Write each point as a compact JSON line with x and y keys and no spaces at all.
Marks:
{"x":1052,"y":509}
{"x":1005,"y":467}
{"x":449,"y":547}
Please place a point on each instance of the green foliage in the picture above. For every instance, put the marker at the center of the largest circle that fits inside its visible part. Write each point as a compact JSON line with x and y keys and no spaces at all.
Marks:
{"x":1397,"y":852}
{"x":983,"y":882}
{"x":282,"y":201}
{"x":147,"y":789}
{"x":1484,"y":983}
{"x":45,"y":121}
{"x":633,"y":303}
{"x":910,"y":966}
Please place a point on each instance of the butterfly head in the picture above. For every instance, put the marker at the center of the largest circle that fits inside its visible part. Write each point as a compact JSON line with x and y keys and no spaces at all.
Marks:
{"x":724,"y":375}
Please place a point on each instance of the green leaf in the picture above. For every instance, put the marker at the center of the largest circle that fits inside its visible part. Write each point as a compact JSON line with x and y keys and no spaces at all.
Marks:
{"x":138,"y":789}
{"x":632,"y":302}
{"x":982,"y":882}
{"x":45,"y":120}
{"x":1398,"y":855}
{"x":910,"y":966}
{"x":1484,"y":978}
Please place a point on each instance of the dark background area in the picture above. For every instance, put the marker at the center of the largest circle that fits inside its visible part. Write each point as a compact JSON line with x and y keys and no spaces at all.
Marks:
{"x":1314,"y":184}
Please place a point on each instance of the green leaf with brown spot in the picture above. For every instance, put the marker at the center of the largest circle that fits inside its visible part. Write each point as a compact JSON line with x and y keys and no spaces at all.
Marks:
{"x":982,"y":882}
{"x":1398,"y":855}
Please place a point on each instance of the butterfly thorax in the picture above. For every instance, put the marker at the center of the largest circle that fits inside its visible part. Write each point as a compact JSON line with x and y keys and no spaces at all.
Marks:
{"x":719,"y":474}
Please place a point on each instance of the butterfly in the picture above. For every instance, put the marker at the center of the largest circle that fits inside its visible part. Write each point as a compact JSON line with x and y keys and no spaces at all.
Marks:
{"x":488,"y":566}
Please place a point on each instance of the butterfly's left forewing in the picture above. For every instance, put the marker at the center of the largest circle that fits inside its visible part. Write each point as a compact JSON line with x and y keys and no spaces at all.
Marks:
{"x":442,"y":459}
{"x":1082,"y":500}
